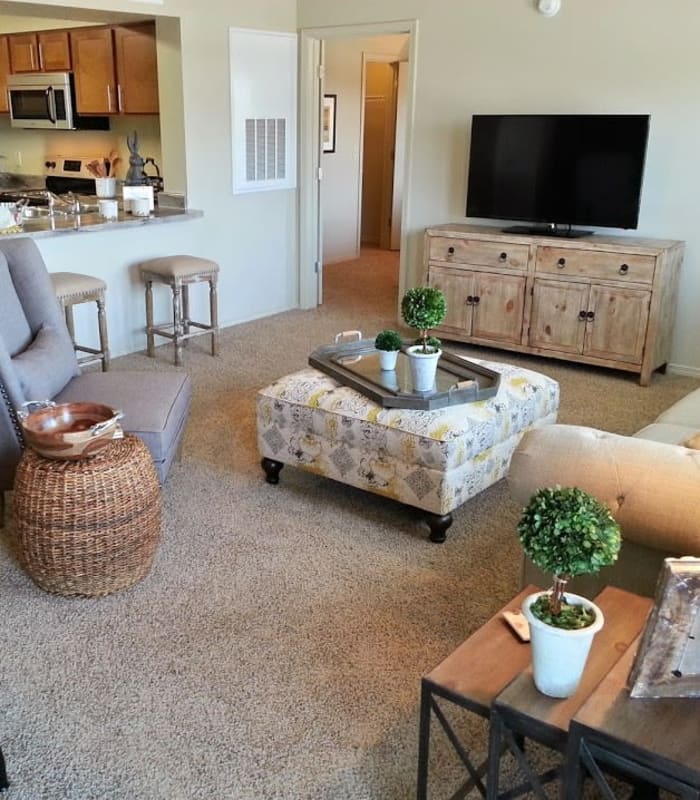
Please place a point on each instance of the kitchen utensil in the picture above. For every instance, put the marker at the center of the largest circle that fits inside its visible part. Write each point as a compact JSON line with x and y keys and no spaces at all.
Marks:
{"x":68,"y":431}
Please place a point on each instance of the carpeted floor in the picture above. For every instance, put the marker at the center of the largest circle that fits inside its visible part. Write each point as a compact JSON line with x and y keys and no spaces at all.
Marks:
{"x":276,"y":648}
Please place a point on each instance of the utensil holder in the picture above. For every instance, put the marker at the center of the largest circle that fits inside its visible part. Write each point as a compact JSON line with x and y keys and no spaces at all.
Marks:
{"x":106,"y":187}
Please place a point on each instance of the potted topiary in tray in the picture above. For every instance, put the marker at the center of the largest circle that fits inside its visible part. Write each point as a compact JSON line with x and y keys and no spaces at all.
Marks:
{"x":567,"y":532}
{"x":423,"y":308}
{"x":388,"y":343}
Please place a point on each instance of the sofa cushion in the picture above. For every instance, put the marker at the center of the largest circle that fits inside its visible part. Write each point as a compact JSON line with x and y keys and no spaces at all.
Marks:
{"x":685,"y":412}
{"x":47,"y":364}
{"x":665,"y":432}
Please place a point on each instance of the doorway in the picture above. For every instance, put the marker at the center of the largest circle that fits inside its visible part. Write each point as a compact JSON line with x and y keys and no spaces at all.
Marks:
{"x":319,"y":206}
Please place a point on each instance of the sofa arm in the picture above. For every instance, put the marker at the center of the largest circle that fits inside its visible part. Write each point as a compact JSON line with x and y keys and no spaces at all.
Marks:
{"x":651,"y":488}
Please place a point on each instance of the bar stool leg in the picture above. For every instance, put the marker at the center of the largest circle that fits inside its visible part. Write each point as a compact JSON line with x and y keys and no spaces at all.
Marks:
{"x":104,"y":341}
{"x":214,"y":316}
{"x":68,"y":311}
{"x":150,"y":338}
{"x":185,"y":308}
{"x":177,"y":322}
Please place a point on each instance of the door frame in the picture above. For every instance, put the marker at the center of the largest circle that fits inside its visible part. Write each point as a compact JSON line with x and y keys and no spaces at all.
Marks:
{"x":310,"y":256}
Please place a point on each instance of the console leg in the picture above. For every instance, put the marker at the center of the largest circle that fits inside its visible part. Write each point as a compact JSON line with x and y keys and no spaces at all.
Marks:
{"x":272,"y":470}
{"x":4,"y":783}
{"x":438,"y":524}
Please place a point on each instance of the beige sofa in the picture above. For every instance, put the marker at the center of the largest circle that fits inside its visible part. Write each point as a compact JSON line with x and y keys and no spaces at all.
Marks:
{"x":650,"y":481}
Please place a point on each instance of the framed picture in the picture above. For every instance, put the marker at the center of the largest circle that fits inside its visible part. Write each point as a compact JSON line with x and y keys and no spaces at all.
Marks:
{"x":667,"y":663}
{"x":328,"y":123}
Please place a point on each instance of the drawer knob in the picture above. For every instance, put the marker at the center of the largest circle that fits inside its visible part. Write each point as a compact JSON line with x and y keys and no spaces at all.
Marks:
{"x":624,"y":269}
{"x":470,"y":299}
{"x":450,"y":251}
{"x":561,"y":263}
{"x":503,"y":257}
{"x":591,"y":315}
{"x":476,"y":299}
{"x":582,"y":315}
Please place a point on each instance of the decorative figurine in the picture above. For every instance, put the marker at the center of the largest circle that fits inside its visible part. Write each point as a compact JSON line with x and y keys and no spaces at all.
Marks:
{"x":135,"y":176}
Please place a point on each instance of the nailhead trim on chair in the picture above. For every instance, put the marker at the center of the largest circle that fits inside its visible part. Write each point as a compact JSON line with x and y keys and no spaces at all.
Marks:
{"x":13,"y":415}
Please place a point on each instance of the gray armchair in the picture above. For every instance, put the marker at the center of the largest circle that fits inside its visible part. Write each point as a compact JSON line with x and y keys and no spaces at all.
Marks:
{"x":37,"y":361}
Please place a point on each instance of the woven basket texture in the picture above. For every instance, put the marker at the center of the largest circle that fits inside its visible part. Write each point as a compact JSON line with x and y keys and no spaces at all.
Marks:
{"x":88,"y":527}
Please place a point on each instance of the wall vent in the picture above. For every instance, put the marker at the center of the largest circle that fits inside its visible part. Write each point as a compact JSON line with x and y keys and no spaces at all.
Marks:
{"x":265,"y":149}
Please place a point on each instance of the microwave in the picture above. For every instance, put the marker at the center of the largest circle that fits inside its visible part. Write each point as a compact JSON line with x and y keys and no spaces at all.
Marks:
{"x":46,"y":100}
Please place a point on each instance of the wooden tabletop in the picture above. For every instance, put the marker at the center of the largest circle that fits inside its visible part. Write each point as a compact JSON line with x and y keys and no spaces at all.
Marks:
{"x":548,"y":718}
{"x":648,"y":728}
{"x":485,"y":663}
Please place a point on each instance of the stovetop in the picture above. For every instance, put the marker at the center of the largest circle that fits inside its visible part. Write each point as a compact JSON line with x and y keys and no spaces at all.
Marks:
{"x":62,"y":175}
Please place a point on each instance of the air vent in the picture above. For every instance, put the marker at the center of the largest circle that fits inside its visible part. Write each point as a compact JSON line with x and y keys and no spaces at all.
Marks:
{"x":265,"y":149}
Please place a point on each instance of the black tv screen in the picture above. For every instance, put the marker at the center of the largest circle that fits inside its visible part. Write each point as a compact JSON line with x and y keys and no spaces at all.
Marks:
{"x":556,"y":169}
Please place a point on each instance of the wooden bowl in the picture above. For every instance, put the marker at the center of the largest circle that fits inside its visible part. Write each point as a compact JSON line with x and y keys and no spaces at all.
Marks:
{"x":71,"y":431}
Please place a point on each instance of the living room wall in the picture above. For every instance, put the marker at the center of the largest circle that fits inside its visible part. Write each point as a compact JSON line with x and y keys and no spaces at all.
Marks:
{"x":480,"y":56}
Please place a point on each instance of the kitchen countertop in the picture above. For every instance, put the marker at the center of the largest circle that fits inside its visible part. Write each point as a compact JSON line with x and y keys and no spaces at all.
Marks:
{"x":92,"y":222}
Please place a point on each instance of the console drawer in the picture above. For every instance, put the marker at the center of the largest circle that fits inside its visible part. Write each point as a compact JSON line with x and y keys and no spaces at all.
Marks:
{"x":478,"y":252}
{"x":595,"y":264}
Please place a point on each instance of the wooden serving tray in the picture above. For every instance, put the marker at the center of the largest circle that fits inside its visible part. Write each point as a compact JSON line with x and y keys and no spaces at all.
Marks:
{"x":356,"y":364}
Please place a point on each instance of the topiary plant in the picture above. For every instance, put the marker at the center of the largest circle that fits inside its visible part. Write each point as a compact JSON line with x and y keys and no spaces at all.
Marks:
{"x":423,"y":308}
{"x":567,"y":532}
{"x":388,"y":340}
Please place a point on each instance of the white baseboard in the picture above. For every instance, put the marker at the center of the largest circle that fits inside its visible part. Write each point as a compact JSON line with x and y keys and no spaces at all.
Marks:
{"x":684,"y":369}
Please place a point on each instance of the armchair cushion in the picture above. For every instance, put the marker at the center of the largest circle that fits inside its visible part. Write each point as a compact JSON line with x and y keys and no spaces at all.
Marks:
{"x":46,"y":366}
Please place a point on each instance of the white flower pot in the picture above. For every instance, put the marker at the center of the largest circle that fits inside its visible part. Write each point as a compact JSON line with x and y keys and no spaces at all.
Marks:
{"x":387,"y":359}
{"x":423,"y":367}
{"x":558,"y":655}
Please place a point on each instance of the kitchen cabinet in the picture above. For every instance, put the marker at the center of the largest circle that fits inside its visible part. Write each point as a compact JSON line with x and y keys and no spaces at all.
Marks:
{"x":42,"y":51}
{"x":115,"y":69}
{"x":4,"y":72}
{"x":603,"y":300}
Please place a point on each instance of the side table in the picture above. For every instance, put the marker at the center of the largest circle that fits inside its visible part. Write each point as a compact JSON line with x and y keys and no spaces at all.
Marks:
{"x":521,"y":712}
{"x":88,"y":527}
{"x":656,"y":740}
{"x":471,"y":677}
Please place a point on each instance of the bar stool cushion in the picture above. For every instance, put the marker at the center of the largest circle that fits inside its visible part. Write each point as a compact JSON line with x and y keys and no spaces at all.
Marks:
{"x":155,"y":406}
{"x":74,"y":284}
{"x":179,"y":266}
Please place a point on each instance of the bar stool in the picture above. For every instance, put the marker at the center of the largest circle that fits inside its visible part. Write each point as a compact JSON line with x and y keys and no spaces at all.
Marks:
{"x":72,"y":288}
{"x":179,"y":272}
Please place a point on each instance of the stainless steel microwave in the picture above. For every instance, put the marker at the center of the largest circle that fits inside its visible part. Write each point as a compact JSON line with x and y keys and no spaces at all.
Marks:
{"x":46,"y":100}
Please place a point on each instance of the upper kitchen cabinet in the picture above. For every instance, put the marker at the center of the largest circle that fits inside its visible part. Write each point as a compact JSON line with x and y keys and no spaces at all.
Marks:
{"x":4,"y":72}
{"x":44,"y":51}
{"x":115,"y":69}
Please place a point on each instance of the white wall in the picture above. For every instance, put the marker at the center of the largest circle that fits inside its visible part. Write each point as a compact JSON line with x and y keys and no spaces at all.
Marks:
{"x":595,"y":56}
{"x":252,"y":237}
{"x":341,"y":170}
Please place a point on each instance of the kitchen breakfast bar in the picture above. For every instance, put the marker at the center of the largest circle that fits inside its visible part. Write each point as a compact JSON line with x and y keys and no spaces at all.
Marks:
{"x":112,"y":251}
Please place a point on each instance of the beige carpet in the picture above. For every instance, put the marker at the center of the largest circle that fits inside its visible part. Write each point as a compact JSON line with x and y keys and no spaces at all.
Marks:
{"x":276,"y":648}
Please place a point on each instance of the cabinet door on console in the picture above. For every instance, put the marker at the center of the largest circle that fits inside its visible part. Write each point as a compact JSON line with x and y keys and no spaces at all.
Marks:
{"x":498,"y":307}
{"x":618,"y":327}
{"x":559,"y":311}
{"x":456,"y":287}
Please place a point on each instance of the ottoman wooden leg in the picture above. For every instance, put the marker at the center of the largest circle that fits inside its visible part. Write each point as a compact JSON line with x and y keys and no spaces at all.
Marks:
{"x":272,"y":470}
{"x":438,"y":524}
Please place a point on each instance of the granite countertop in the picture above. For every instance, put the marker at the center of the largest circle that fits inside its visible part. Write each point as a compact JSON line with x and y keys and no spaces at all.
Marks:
{"x":92,"y":222}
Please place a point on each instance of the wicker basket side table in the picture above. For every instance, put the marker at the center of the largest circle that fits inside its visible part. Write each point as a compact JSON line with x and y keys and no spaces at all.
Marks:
{"x":88,"y":527}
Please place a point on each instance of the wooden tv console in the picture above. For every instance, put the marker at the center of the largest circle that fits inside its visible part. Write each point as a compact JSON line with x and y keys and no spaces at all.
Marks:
{"x":604,"y":300}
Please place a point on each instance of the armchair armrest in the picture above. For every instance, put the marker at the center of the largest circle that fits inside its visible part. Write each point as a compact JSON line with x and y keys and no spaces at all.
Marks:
{"x":651,"y":488}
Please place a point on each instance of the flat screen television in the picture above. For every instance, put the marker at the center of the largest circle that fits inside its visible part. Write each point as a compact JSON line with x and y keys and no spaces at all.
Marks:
{"x":555,"y":171}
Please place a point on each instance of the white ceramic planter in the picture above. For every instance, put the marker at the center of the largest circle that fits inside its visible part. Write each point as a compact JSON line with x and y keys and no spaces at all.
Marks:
{"x":423,"y":367}
{"x":387,"y":359}
{"x":558,"y":655}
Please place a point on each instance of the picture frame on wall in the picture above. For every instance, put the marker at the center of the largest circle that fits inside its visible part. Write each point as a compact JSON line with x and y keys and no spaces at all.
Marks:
{"x":328,"y":122}
{"x":667,"y":663}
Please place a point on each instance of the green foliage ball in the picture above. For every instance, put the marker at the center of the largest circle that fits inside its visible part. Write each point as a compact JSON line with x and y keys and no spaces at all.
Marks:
{"x":423,"y":307}
{"x":388,"y":340}
{"x":568,"y":532}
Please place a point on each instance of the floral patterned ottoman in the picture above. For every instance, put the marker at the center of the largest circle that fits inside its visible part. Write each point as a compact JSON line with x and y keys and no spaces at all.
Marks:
{"x":433,"y":460}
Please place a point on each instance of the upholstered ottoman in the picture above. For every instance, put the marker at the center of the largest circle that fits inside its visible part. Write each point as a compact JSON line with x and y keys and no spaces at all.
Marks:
{"x":433,"y":460}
